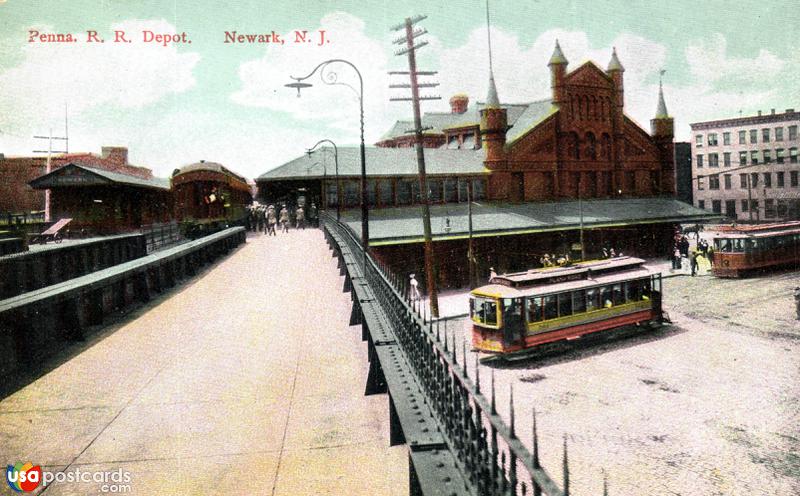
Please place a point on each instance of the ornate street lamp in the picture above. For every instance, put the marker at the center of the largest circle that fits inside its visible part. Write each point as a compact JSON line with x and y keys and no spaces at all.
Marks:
{"x":336,"y":164}
{"x":329,"y":76}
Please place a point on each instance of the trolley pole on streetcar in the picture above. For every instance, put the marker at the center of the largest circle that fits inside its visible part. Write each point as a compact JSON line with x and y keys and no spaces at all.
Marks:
{"x":410,"y":48}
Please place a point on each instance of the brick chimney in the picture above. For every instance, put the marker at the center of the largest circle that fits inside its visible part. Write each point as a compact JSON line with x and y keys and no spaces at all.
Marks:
{"x":117,"y":154}
{"x":459,"y":103}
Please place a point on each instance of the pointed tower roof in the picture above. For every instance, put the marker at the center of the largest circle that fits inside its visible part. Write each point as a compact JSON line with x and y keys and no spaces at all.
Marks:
{"x":614,"y":64}
{"x":661,"y":111}
{"x":492,"y":101}
{"x":558,"y":56}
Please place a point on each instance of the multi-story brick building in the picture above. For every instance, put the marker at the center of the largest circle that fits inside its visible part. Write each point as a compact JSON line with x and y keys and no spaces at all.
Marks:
{"x":747,"y":168}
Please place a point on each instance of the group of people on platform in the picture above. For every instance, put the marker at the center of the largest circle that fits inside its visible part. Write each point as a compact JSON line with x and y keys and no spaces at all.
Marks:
{"x":681,"y":250}
{"x":267,"y":218}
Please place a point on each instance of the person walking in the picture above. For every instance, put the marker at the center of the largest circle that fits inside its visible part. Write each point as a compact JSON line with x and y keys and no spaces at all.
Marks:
{"x":413,"y":291}
{"x":272,"y":220}
{"x":300,"y":218}
{"x":693,"y":262}
{"x":313,"y":215}
{"x":676,"y":259}
{"x":284,"y":219}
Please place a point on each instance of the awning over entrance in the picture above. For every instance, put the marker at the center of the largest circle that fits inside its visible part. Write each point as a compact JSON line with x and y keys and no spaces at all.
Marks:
{"x":391,"y":226}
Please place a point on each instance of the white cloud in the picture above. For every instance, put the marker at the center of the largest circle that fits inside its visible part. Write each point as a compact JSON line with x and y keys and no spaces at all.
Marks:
{"x":263,"y":80}
{"x":90,"y":75}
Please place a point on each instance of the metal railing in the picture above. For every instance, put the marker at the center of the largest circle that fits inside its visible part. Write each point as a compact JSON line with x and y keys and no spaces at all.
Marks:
{"x":491,"y":456}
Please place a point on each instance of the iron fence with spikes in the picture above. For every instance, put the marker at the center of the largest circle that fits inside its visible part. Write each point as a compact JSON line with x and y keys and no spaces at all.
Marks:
{"x":488,"y":450}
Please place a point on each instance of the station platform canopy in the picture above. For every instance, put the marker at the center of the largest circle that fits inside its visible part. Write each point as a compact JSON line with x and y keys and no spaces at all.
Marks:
{"x":78,"y":175}
{"x":402,"y":225}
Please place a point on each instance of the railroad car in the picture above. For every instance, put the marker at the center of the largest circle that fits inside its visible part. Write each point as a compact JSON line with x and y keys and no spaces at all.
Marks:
{"x":521,"y":310}
{"x":742,"y":250}
{"x":206,"y":191}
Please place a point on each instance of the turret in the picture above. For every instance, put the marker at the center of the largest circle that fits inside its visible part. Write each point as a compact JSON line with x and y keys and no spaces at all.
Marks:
{"x":494,"y":124}
{"x":558,"y":71}
{"x":662,"y":128}
{"x":615,"y":71}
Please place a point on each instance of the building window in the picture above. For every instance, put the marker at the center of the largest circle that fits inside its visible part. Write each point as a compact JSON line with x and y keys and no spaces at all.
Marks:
{"x":753,"y":136}
{"x":716,"y":206}
{"x":769,"y":209}
{"x":730,"y":208}
{"x":713,"y":160}
{"x":463,"y":193}
{"x":783,"y":208}
{"x":792,"y":132}
{"x":351,"y":193}
{"x":478,"y":189}
{"x":754,"y":179}
{"x":779,"y":154}
{"x":469,"y":142}
{"x":700,"y":184}
{"x":699,"y":161}
{"x":452,"y":142}
{"x":726,"y":138}
{"x":630,"y":181}
{"x":793,"y":155}
{"x":744,"y":205}
{"x":778,"y":134}
{"x":385,"y":193}
{"x":743,"y":181}
{"x":754,"y":206}
{"x":713,"y":181}
{"x":765,"y":135}
{"x":435,"y":190}
{"x":754,"y":157}
{"x":780,"y":178}
{"x":405,"y":191}
{"x":698,"y":140}
{"x":793,"y":179}
{"x":726,"y":159}
{"x":767,"y":179}
{"x":767,"y":156}
{"x":712,"y":139}
{"x":701,"y":204}
{"x":450,"y":190}
{"x":371,"y":196}
{"x":728,"y":181}
{"x":742,"y":137}
{"x":742,"y":158}
{"x":330,"y":194}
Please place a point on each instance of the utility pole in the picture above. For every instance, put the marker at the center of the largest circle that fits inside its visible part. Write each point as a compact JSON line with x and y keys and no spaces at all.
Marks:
{"x":49,"y":167}
{"x":471,"y":262}
{"x":410,"y":49}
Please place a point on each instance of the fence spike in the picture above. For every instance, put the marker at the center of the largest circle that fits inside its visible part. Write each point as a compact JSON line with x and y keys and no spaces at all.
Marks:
{"x":511,"y":409}
{"x":455,"y":354}
{"x":535,"y":454}
{"x":445,"y":341}
{"x":477,"y":375}
{"x":566,"y":468}
{"x":494,"y":404}
{"x":438,"y":335}
{"x":464,"y":356}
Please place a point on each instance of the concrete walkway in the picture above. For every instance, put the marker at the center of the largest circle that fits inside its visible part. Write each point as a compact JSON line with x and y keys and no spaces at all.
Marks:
{"x":246,"y":380}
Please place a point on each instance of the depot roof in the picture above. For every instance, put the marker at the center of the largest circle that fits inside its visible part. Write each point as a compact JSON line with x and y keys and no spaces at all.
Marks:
{"x":76,"y":174}
{"x":400,"y":225}
{"x":379,"y":162}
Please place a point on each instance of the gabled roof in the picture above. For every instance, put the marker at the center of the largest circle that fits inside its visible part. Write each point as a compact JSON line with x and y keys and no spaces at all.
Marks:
{"x":379,"y":162}
{"x":438,"y":122}
{"x":534,"y":113}
{"x":208,"y":166}
{"x":69,"y":175}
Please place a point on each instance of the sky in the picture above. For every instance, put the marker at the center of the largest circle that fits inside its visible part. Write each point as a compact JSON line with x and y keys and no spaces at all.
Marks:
{"x":202,"y":98}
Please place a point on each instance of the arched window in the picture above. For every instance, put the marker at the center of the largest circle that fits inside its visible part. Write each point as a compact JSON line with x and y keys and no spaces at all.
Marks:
{"x":591,"y":146}
{"x":588,"y":107}
{"x":605,"y":147}
{"x":574,"y":146}
{"x":595,"y":109}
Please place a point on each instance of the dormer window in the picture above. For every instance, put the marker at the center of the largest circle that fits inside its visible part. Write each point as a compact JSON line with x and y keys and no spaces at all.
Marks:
{"x":452,"y":142}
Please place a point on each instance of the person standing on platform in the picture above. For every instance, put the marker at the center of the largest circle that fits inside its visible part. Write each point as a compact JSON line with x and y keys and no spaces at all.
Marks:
{"x":300,"y":218}
{"x":313,"y":215}
{"x":676,"y":259}
{"x":413,"y":291}
{"x":272,"y":220}
{"x":284,"y":219}
{"x":693,"y":262}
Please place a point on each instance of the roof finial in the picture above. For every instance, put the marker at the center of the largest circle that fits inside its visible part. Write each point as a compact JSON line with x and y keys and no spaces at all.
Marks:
{"x":661,"y":111}
{"x":614,"y":64}
{"x":489,"y":38}
{"x":558,"y":56}
{"x":492,"y":101}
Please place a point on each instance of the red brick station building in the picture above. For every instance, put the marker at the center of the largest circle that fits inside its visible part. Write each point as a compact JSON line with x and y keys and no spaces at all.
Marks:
{"x":535,"y":171}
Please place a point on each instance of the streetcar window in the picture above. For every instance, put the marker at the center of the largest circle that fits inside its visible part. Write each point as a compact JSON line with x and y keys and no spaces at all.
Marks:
{"x":484,"y":311}
{"x":534,"y":309}
{"x":645,"y":289}
{"x":592,"y":299}
{"x":738,"y":245}
{"x":656,"y":284}
{"x":550,"y":307}
{"x":619,"y":296}
{"x":725,"y":245}
{"x":579,"y":301}
{"x":632,"y":291}
{"x":605,"y":297}
{"x":564,"y":305}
